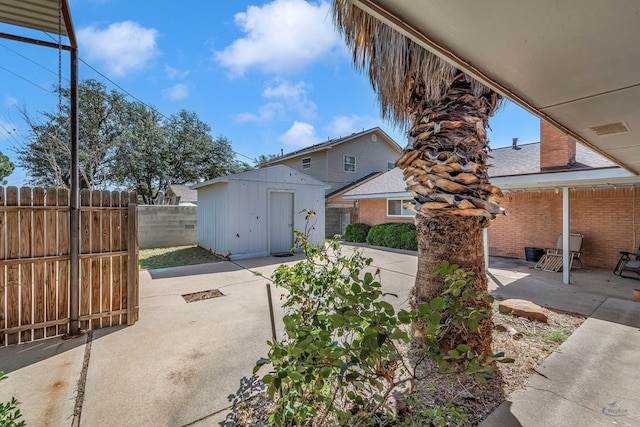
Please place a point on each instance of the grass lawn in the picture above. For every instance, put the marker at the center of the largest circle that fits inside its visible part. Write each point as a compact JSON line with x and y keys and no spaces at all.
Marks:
{"x":150,"y":259}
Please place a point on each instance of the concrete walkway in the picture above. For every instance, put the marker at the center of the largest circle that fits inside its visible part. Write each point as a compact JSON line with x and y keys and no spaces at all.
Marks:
{"x":185,"y":364}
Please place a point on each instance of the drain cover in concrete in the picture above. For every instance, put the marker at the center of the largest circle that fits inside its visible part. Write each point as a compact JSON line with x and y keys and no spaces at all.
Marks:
{"x":201,"y":296}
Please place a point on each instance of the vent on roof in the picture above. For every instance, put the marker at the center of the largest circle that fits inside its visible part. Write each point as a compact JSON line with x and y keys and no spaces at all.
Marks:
{"x":610,"y":128}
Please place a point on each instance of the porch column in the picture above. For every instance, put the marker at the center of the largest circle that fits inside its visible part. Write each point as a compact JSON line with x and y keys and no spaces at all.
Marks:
{"x":565,"y":236}
{"x":485,"y":239}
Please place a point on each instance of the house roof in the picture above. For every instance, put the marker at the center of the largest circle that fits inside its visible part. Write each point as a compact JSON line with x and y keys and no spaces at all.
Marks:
{"x":185,"y":193}
{"x":526,"y":159}
{"x":513,"y":169}
{"x":332,"y":143}
{"x":277,"y":173}
{"x":353,"y":184}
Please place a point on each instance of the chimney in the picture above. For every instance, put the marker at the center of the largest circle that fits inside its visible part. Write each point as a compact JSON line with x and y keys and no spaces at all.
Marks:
{"x":557,"y":150}
{"x":514,"y":144}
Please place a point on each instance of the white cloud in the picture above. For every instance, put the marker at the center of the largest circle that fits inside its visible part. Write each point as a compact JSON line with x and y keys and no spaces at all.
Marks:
{"x":174,"y":73}
{"x":176,"y":92}
{"x":266,"y":113}
{"x":11,"y":101}
{"x":294,"y":97}
{"x":122,"y":47}
{"x":346,"y":125}
{"x":299,"y":135}
{"x":283,"y":36}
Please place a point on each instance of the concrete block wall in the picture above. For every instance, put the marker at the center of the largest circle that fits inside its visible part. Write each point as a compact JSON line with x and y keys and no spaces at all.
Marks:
{"x":609,"y":219}
{"x":162,"y":226}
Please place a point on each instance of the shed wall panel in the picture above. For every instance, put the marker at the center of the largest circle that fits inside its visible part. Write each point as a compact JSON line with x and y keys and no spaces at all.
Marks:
{"x":213,"y":217}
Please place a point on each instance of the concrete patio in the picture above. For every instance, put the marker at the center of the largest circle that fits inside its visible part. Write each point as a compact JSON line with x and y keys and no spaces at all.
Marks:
{"x":186,"y":364}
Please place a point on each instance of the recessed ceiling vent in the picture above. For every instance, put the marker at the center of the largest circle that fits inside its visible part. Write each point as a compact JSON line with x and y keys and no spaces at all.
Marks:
{"x":610,"y":128}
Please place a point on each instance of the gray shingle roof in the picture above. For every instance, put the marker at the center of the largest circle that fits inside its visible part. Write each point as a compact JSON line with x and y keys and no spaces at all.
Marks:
{"x":508,"y":162}
{"x":185,"y":193}
{"x":505,"y":162}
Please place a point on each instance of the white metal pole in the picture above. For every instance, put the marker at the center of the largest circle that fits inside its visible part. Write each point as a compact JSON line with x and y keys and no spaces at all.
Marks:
{"x":485,"y":239}
{"x":565,"y":236}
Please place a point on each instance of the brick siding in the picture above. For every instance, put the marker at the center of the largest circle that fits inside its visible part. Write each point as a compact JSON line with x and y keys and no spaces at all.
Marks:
{"x":557,"y":150}
{"x":374,"y":212}
{"x":608,"y":219}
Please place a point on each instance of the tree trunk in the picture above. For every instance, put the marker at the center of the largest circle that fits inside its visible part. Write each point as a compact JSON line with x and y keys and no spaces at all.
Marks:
{"x":457,"y":239}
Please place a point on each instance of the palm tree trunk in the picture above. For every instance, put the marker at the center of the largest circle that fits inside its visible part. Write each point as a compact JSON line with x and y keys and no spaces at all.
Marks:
{"x":446,"y":170}
{"x":457,"y":239}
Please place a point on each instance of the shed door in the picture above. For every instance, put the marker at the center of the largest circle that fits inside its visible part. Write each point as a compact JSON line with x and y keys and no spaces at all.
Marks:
{"x":281,"y":222}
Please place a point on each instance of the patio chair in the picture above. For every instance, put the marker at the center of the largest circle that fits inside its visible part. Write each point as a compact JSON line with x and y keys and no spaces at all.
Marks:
{"x":552,"y":259}
{"x":625,"y":263}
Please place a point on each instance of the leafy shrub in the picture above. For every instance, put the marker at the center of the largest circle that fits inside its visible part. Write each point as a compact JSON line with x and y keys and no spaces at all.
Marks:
{"x":457,"y":313}
{"x":394,"y":235}
{"x":9,"y":412}
{"x":357,"y":232}
{"x":338,"y":360}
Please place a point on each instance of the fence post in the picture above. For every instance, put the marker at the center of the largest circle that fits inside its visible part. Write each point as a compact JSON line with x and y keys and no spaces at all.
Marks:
{"x":132,"y":264}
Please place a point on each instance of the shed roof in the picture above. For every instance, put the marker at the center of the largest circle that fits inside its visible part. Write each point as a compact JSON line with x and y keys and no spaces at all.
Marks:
{"x":277,"y":173}
{"x":50,"y":16}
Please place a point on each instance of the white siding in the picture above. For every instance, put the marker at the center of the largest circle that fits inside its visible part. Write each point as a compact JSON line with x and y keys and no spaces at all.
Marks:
{"x":213,"y":217}
{"x":245,"y":220}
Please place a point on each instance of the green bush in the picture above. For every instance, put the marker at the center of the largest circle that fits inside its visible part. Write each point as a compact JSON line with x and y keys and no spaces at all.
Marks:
{"x":356,"y":232}
{"x":394,"y":235}
{"x":338,"y":359}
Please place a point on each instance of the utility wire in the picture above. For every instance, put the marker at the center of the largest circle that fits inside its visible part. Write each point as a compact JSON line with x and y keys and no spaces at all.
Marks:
{"x":97,"y":72}
{"x":27,"y":80}
{"x":31,"y":60}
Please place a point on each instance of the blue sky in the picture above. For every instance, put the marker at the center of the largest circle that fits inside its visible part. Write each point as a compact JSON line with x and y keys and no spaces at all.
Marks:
{"x":268,"y":75}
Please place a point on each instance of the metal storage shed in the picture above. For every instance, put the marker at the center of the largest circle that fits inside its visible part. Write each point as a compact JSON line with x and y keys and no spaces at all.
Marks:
{"x":254,"y":213}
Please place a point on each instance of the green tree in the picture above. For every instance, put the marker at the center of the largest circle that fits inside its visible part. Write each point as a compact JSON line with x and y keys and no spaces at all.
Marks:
{"x":157,"y":152}
{"x":446,"y":112}
{"x":264,"y":158}
{"x":47,"y":154}
{"x":6,"y":168}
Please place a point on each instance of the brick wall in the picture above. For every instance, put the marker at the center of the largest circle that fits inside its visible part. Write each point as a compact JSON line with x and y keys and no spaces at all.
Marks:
{"x":374,"y":212}
{"x":557,"y":150}
{"x":162,"y":226}
{"x":608,"y":218}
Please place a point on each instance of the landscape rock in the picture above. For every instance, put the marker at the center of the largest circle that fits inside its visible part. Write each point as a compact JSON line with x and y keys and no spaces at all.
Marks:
{"x":524,"y":308}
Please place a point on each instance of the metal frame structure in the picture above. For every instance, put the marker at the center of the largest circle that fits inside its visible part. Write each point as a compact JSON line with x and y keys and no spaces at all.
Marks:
{"x":54,"y":16}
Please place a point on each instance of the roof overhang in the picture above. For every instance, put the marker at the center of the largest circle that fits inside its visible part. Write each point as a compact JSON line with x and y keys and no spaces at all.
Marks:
{"x":572,"y":63}
{"x":50,"y":16}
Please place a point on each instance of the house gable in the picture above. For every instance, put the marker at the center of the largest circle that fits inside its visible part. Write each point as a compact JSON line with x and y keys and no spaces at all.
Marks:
{"x":368,"y":152}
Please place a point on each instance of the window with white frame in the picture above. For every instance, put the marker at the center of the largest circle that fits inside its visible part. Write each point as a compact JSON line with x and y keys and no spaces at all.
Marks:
{"x":306,"y":163}
{"x":395,"y":207}
{"x":349,"y":163}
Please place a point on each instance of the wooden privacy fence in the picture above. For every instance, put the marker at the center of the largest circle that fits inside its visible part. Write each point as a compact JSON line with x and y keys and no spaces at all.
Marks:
{"x":35,"y":287}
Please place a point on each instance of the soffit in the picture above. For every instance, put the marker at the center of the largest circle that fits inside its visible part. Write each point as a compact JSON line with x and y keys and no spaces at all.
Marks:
{"x":573,"y":63}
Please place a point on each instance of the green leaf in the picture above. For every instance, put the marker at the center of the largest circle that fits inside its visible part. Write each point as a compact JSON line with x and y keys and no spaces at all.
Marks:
{"x":506,"y":360}
{"x":404,"y":317}
{"x":267,"y":379}
{"x":436,"y":304}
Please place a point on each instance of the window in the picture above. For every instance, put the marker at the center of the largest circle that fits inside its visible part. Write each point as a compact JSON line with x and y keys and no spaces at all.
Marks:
{"x":349,"y":163}
{"x":390,"y":166}
{"x":306,"y":163}
{"x":395,"y":207}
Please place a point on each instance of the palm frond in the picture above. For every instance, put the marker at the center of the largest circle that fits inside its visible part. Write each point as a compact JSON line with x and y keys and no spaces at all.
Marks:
{"x":393,"y":62}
